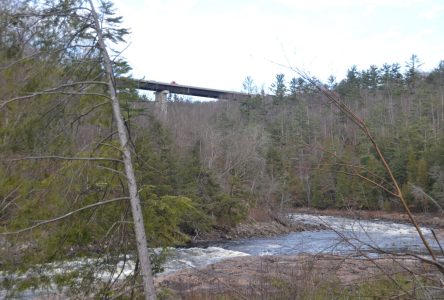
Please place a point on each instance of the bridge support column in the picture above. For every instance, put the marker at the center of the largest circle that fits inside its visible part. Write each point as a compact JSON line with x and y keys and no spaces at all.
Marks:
{"x":161,"y":103}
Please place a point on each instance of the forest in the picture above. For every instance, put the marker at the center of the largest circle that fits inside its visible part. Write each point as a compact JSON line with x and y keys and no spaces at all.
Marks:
{"x":295,"y":149}
{"x":63,"y":191}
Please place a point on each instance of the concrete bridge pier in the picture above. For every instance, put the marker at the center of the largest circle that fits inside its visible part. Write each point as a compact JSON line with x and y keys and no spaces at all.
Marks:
{"x":161,"y":103}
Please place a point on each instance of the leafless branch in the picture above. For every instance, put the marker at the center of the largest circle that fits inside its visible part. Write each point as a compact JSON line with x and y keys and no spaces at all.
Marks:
{"x":89,"y":111}
{"x":343,"y":163}
{"x":127,"y":291}
{"x":370,"y":181}
{"x":63,"y":216}
{"x":55,"y":157}
{"x":416,"y":190}
{"x":436,"y":263}
{"x":337,"y":102}
{"x":112,"y":170}
{"x":437,"y":241}
{"x":57,"y":90}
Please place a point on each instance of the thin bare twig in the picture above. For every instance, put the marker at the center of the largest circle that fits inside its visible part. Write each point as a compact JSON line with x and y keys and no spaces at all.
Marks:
{"x":421,"y":258}
{"x":56,"y":90}
{"x":56,"y":157}
{"x":63,"y":216}
{"x":336,"y":101}
{"x":113,"y":171}
{"x":370,"y":181}
{"x":419,"y":190}
{"x":437,"y":241}
{"x":89,"y":111}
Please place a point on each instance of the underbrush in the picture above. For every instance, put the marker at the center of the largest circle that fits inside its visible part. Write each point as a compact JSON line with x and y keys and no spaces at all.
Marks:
{"x":311,"y":278}
{"x":399,"y":287}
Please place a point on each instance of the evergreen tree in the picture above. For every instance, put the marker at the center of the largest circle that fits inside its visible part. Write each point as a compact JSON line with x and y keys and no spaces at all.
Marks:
{"x":412,"y":74}
{"x":278,"y":87}
{"x":66,"y":41}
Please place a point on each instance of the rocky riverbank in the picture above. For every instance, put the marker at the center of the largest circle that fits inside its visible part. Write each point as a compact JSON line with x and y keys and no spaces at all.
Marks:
{"x":252,"y":228}
{"x":266,"y":225}
{"x":289,"y":277}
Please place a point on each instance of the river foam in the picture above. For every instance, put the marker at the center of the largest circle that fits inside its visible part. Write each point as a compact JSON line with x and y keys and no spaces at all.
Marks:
{"x":197,"y":257}
{"x":357,"y":225}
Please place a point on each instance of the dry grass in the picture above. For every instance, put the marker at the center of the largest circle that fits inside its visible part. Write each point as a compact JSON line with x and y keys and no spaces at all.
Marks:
{"x":304,"y":277}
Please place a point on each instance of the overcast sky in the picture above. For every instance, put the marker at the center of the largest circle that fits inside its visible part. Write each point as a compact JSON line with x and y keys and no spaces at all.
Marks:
{"x":217,"y":43}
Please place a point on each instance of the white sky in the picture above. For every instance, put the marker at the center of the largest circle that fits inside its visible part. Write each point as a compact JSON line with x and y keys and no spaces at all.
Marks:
{"x":217,"y":43}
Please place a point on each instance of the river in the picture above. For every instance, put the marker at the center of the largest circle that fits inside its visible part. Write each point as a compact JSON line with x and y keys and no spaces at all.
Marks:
{"x":342,"y":236}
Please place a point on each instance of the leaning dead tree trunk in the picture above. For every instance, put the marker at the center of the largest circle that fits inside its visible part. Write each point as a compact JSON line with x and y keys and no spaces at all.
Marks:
{"x":337,"y":102}
{"x":142,"y":246}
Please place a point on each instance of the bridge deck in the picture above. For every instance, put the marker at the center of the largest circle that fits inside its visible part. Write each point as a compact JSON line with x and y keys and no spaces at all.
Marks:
{"x":174,"y":88}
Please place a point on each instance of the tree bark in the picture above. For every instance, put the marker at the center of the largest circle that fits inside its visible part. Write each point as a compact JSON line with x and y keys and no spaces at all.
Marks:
{"x":142,"y":246}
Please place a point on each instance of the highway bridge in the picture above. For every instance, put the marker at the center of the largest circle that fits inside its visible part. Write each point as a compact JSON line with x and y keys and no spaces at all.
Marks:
{"x":163,"y":88}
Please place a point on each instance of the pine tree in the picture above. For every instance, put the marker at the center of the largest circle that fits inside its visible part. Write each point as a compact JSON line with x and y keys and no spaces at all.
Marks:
{"x":278,"y":87}
{"x":66,"y":41}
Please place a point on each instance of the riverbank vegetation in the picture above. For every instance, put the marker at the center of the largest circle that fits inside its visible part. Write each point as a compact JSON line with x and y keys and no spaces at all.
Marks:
{"x":63,"y":191}
{"x":304,"y":277}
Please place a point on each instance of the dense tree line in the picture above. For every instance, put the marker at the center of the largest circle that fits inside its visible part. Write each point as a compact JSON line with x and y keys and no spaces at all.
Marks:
{"x":295,"y":149}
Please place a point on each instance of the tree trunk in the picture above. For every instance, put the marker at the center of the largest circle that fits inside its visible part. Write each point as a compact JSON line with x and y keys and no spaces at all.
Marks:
{"x":142,"y":247}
